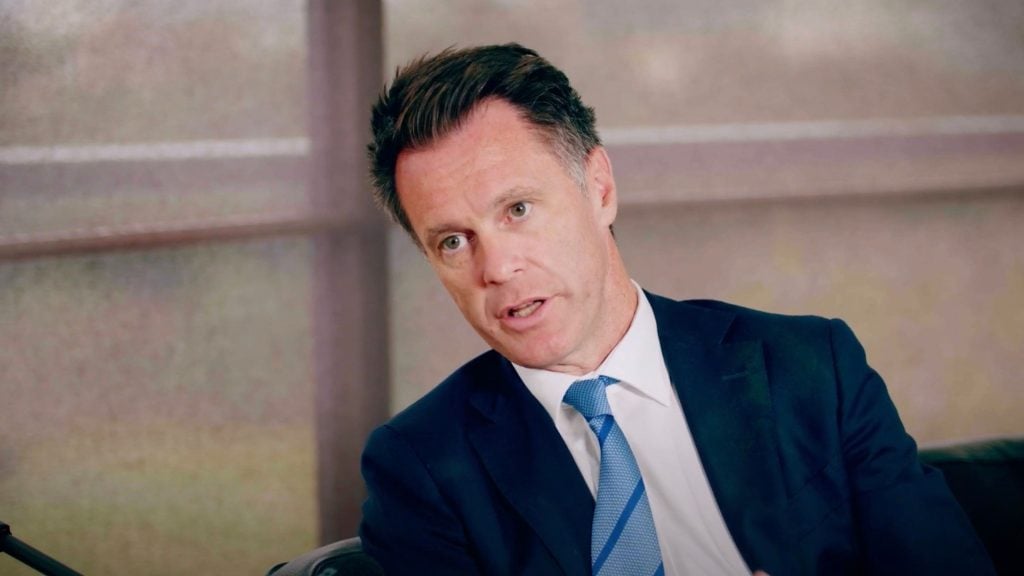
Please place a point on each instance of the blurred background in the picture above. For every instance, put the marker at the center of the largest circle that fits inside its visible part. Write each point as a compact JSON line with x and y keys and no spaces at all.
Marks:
{"x":201,"y":314}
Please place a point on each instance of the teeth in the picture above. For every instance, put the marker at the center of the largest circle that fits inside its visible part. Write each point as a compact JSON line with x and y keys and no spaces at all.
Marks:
{"x":525,"y":311}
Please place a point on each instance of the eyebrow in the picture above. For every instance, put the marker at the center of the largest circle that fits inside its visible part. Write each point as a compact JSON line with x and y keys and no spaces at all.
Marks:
{"x":435,"y":231}
{"x":513,"y":193}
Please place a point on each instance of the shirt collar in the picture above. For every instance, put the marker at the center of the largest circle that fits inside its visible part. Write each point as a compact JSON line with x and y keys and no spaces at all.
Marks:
{"x":636,"y":361}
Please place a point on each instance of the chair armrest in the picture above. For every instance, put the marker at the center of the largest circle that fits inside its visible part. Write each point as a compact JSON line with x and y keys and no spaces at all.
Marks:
{"x":345,"y":557}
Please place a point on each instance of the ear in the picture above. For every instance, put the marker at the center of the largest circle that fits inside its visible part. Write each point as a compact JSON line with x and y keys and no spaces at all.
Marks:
{"x":601,"y":186}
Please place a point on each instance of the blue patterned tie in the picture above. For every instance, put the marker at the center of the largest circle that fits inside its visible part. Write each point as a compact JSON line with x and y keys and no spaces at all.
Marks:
{"x":623,"y":540}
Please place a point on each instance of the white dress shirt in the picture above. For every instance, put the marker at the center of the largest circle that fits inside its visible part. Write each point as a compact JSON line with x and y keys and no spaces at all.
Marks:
{"x":691,"y":531}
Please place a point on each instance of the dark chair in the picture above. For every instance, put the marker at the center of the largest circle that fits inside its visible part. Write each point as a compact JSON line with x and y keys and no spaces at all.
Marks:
{"x":987,"y":479}
{"x":344,"y":558}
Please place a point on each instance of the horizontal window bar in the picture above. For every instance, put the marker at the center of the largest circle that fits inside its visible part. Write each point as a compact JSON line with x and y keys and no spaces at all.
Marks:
{"x":128,"y":237}
{"x":191,"y":150}
{"x":786,"y":131}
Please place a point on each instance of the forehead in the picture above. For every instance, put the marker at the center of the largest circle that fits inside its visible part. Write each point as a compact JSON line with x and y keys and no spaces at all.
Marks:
{"x":494,"y":149}
{"x":493,"y":124}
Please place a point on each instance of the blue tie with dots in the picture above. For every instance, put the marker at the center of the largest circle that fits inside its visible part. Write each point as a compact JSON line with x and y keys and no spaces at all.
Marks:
{"x":623,"y":539}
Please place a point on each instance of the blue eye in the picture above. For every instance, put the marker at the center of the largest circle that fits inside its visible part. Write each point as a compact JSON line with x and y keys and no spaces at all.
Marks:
{"x":519,"y":209}
{"x":452,"y":243}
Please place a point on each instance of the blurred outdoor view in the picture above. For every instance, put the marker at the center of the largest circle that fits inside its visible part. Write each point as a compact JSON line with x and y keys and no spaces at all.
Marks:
{"x":155,"y":406}
{"x":658,"y":62}
{"x":113,"y":71}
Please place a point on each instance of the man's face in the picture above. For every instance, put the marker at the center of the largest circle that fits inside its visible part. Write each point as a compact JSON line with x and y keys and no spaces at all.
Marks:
{"x":525,"y":253}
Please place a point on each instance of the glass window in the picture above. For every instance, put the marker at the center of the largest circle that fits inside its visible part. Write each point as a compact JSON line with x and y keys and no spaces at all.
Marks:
{"x":157,"y":408}
{"x":149,"y":114}
{"x":657,"y":62}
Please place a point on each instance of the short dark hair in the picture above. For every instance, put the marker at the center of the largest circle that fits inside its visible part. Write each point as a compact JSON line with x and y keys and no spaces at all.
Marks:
{"x":432,"y":95}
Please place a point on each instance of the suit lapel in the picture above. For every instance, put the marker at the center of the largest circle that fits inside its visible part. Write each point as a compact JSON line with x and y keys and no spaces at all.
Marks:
{"x":529,"y":462}
{"x":724,"y":392}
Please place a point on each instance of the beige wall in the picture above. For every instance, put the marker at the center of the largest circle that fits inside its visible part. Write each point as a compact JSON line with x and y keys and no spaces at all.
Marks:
{"x":932,"y":284}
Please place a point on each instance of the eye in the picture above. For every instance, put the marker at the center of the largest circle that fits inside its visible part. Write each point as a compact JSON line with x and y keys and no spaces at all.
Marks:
{"x":452,"y":243}
{"x":520,"y":210}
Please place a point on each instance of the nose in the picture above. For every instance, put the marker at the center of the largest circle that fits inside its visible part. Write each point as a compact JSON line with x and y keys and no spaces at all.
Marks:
{"x":499,"y":258}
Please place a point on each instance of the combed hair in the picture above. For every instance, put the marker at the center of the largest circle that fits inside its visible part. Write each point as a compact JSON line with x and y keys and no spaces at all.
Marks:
{"x":432,"y":96}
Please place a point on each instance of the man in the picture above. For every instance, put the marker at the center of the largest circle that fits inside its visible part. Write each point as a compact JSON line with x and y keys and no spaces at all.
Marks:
{"x":612,"y":431}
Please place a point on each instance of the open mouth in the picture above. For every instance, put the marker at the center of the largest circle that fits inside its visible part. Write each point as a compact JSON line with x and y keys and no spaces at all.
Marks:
{"x":525,"y":310}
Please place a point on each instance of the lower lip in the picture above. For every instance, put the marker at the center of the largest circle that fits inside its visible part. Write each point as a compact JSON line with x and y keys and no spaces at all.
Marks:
{"x":522,"y":324}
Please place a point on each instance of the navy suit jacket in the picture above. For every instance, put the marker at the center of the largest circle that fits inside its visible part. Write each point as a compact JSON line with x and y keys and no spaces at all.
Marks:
{"x":805,"y":453}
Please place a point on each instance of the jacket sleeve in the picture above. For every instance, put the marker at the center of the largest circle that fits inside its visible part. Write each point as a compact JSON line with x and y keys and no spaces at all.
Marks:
{"x":908,"y":520}
{"x":407,"y":526}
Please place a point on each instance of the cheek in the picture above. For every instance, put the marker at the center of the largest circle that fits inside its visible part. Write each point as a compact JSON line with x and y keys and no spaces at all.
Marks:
{"x":468,"y":300}
{"x":579,"y":250}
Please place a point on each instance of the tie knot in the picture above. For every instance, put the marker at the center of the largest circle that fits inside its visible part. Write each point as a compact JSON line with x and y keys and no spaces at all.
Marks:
{"x":588,"y":397}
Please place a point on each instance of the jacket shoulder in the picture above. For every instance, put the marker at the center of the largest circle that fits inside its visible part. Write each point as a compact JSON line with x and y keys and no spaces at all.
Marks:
{"x":744,"y":323}
{"x":807,"y":341}
{"x":759,"y":318}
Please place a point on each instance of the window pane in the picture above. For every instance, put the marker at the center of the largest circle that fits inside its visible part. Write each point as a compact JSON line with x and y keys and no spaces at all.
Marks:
{"x":158,"y":408}
{"x":656,"y":62}
{"x":149,"y":115}
{"x":80,"y":71}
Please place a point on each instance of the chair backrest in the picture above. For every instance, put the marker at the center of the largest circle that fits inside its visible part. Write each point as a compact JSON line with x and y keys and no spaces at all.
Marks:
{"x":343,"y":558}
{"x":987,"y":480}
